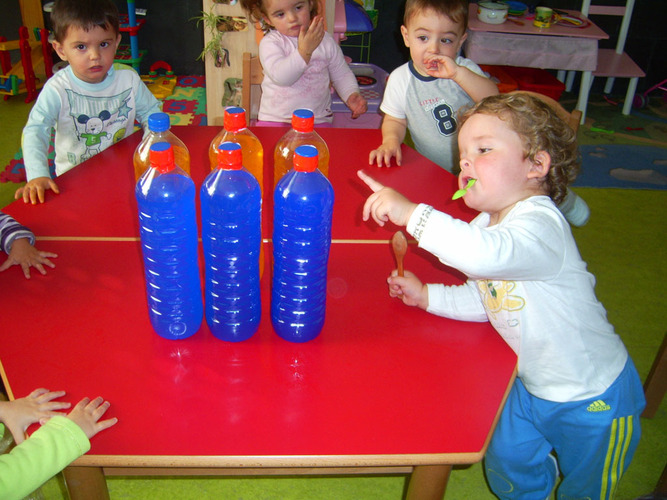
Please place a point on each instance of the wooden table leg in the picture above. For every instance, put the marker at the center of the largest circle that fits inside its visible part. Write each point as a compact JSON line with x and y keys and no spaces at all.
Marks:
{"x":85,"y":483}
{"x":428,"y":482}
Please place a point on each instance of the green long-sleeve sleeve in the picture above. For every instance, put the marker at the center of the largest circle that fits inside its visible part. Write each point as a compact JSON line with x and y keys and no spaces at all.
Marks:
{"x":46,"y":452}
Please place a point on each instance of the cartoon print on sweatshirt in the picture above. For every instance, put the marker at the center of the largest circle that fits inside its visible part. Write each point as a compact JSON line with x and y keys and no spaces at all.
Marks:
{"x":98,"y":119}
{"x":497,"y":296}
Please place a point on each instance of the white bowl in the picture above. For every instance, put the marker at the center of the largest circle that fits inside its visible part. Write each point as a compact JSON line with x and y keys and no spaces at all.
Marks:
{"x":492,"y":12}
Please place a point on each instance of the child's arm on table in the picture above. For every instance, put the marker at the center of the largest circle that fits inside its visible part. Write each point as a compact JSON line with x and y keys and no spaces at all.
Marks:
{"x":393,"y":134}
{"x":35,"y":145}
{"x":476,"y":86}
{"x":37,"y":406}
{"x":52,"y":447}
{"x":35,"y":189}
{"x":23,"y":254}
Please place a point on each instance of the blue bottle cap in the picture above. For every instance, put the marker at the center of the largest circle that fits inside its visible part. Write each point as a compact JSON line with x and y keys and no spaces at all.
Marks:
{"x":158,"y":122}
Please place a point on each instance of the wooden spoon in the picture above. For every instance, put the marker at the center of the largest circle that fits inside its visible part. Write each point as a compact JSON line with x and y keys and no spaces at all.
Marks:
{"x":400,"y":245}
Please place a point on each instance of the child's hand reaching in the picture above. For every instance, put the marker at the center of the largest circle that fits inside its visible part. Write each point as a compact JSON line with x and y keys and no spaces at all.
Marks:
{"x":310,"y":37}
{"x":441,"y":67}
{"x":38,"y":406}
{"x":385,"y":204}
{"x":409,"y":289}
{"x":25,"y":255}
{"x":357,"y":105}
{"x":86,"y":414}
{"x":34,"y":190}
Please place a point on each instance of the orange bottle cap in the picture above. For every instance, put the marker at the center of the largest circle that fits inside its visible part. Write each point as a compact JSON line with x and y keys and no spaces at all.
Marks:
{"x":234,"y":119}
{"x":162,"y":157}
{"x":230,"y":156}
{"x":303,"y":120}
{"x":305,"y":158}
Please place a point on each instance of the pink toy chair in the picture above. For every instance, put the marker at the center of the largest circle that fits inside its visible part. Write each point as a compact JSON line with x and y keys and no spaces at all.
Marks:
{"x":615,"y":63}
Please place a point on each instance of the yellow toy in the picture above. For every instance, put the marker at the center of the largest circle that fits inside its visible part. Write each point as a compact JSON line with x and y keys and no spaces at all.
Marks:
{"x":161,"y":86}
{"x":35,"y":66}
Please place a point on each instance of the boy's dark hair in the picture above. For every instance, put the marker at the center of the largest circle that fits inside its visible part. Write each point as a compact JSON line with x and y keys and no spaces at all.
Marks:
{"x":84,"y":14}
{"x":456,"y":10}
{"x":256,"y":12}
{"x":540,"y":129}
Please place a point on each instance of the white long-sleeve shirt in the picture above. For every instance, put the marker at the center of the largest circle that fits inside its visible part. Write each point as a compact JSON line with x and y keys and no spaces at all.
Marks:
{"x":527,"y":278}
{"x":87,"y":117}
{"x":289,"y":83}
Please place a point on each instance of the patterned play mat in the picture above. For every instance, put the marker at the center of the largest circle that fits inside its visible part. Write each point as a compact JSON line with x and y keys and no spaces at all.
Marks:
{"x":186,"y":105}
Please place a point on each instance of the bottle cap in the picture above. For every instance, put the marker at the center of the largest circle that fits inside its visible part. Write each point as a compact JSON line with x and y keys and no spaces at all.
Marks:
{"x":305,"y":158}
{"x":230,"y":156}
{"x":234,"y":119}
{"x":162,"y":157}
{"x":158,"y":122}
{"x":303,"y":120}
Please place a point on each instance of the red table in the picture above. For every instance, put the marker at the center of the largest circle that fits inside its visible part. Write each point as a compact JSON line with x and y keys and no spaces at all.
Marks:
{"x":385,"y":388}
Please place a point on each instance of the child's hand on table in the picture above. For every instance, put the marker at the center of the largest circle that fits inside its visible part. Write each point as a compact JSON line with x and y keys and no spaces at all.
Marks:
{"x":409,"y":289}
{"x":310,"y":38}
{"x":38,"y":406}
{"x":357,"y":105}
{"x":34,"y":190}
{"x":385,"y":204}
{"x":25,"y":255}
{"x":86,"y":414}
{"x":383,"y":154}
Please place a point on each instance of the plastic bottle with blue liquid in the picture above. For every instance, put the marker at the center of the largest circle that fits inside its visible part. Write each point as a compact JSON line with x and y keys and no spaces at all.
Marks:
{"x":167,"y":223}
{"x":231,"y":205}
{"x":303,"y":209}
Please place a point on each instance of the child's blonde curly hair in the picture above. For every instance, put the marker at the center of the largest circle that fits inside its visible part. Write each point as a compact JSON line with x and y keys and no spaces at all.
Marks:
{"x":540,"y":129}
{"x":256,"y":11}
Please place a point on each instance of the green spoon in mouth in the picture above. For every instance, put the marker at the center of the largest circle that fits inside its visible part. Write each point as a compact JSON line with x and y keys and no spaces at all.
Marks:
{"x":463,"y":191}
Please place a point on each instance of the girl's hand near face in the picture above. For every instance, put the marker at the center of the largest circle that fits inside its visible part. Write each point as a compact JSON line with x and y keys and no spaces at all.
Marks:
{"x":310,"y":38}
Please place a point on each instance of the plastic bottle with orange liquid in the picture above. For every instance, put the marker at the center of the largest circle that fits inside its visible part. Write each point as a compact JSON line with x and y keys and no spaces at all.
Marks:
{"x":235,"y":130}
{"x":301,"y":133}
{"x":159,"y":131}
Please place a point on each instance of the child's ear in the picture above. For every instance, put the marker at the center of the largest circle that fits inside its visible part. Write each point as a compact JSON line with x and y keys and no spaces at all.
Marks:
{"x":404,"y":32}
{"x":541,"y":165}
{"x":57,"y":46}
{"x":118,"y":39}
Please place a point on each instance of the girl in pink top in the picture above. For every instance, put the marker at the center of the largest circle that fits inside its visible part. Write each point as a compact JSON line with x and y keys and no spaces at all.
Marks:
{"x":300,"y":60}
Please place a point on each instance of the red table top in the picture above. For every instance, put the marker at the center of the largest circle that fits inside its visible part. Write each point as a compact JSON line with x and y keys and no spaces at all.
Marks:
{"x":98,"y":200}
{"x":383,"y":384}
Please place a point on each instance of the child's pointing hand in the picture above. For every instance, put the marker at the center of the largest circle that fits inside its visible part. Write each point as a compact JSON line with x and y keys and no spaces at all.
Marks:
{"x":385,"y":204}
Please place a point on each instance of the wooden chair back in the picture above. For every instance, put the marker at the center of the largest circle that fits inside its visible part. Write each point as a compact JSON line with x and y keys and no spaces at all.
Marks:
{"x":252,"y":77}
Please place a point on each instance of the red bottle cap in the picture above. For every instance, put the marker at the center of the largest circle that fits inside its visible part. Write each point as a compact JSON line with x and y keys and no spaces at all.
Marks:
{"x":305,"y":158}
{"x":234,"y":119}
{"x":230,"y":156}
{"x":303,"y":120}
{"x":162,"y":157}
